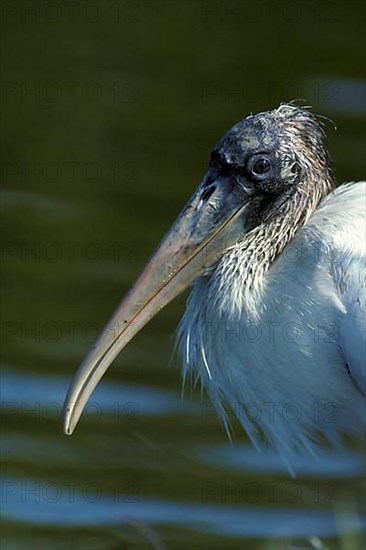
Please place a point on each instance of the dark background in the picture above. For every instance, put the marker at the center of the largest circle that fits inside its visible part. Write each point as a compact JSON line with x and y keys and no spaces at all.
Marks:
{"x":109,"y":113}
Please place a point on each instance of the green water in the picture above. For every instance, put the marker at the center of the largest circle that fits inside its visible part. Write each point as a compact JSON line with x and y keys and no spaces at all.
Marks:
{"x":109,"y":112}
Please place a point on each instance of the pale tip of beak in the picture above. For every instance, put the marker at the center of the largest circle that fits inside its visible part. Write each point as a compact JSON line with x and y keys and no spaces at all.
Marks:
{"x":68,"y":428}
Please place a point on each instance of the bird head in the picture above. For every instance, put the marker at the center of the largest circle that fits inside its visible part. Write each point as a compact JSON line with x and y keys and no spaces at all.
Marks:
{"x":269,"y":167}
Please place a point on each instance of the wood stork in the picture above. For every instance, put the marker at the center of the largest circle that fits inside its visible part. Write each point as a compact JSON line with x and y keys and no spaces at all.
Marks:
{"x":275,"y":323}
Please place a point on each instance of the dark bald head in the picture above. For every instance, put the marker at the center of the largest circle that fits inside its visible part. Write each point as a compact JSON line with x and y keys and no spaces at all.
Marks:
{"x":273,"y":150}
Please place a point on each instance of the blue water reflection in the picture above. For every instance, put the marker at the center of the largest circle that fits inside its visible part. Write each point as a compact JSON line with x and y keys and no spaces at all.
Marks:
{"x":332,"y":464}
{"x":34,"y":393}
{"x":69,"y":507}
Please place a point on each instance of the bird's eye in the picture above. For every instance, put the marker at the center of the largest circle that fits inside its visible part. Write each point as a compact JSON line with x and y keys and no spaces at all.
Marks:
{"x":259,"y":167}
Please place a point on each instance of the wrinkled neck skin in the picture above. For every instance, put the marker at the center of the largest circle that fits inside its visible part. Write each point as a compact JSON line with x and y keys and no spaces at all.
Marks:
{"x":242,"y":290}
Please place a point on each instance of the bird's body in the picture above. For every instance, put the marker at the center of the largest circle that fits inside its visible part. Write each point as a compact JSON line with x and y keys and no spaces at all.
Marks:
{"x":275,"y":324}
{"x":285,"y":351}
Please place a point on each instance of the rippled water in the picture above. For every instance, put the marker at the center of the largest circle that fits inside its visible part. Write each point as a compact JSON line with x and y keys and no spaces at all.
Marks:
{"x":109,"y":114}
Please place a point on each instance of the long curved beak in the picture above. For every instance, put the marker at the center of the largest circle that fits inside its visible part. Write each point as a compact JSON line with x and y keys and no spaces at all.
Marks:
{"x":209,"y":224}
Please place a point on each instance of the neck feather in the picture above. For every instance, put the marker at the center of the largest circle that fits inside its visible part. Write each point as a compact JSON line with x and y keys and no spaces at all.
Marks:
{"x":244,"y":267}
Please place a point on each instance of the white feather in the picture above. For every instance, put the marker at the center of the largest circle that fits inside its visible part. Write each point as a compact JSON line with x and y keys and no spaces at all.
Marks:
{"x":287,"y":354}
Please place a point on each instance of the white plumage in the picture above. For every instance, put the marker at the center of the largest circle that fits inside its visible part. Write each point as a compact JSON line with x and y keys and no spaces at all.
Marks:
{"x":288,"y":356}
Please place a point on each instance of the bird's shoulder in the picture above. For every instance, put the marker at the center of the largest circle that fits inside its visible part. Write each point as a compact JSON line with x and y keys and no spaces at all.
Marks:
{"x":338,"y":230}
{"x":333,"y":238}
{"x":340,"y":220}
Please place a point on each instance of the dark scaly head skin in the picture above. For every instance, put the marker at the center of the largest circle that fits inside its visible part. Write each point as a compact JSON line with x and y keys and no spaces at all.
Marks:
{"x":293,"y":139}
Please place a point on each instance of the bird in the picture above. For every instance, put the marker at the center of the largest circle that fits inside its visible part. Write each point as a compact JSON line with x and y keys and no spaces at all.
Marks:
{"x":274,"y":253}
